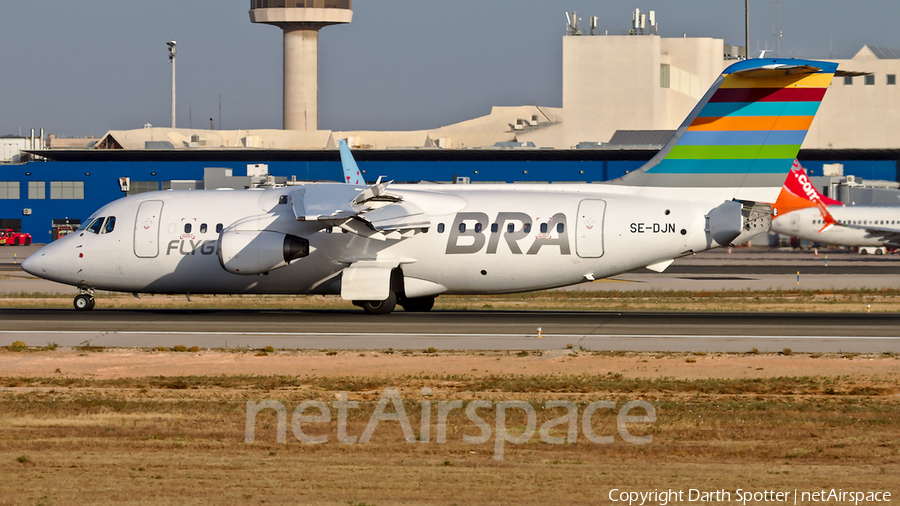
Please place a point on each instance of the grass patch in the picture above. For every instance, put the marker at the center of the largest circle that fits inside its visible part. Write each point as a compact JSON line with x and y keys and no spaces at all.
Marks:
{"x":508,"y":383}
{"x":180,"y":439}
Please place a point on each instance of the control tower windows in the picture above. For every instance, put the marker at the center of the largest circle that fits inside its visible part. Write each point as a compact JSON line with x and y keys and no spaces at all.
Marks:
{"x":319,"y":4}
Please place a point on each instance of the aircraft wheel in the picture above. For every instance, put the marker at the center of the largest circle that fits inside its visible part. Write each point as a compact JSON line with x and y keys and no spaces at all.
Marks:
{"x":417,"y":304}
{"x":380,"y":306}
{"x":84,"y":302}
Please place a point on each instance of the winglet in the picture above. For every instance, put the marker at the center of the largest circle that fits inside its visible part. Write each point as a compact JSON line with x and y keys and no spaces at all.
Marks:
{"x":826,"y":216}
{"x":351,"y":170}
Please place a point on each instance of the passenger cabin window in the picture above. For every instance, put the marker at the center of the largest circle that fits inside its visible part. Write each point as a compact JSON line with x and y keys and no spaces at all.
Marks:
{"x":462,"y":227}
{"x":440,"y":228}
{"x":527,"y":228}
{"x":510,"y":228}
{"x":218,"y":228}
{"x":494,"y":228}
{"x":560,"y":227}
{"x":110,"y":225}
{"x":478,"y":228}
{"x":543,"y":228}
{"x":203,"y":228}
{"x":187,"y":228}
{"x":96,"y":225}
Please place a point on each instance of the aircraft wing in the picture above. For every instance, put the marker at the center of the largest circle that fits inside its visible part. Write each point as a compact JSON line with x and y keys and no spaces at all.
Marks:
{"x":373,"y":212}
{"x":890,"y":236}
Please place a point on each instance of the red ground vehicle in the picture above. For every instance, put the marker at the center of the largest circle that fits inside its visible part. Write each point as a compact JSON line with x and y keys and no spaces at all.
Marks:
{"x":14,"y":238}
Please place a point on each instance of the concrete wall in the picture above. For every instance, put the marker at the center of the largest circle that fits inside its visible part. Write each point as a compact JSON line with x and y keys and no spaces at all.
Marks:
{"x":859,"y":116}
{"x":11,"y":146}
{"x":613,"y":83}
{"x":694,"y":64}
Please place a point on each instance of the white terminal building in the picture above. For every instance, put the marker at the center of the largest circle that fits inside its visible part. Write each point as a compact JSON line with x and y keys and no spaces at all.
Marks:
{"x":638,"y":82}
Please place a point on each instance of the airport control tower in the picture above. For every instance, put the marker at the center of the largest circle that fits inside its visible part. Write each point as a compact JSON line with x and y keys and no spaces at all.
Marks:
{"x":301,"y":21}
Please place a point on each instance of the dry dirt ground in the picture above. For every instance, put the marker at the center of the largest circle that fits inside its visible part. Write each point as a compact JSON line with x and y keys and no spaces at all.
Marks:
{"x":160,"y":427}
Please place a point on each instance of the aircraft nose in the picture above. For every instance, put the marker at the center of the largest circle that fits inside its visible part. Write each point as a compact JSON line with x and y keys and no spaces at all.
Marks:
{"x":35,"y":264}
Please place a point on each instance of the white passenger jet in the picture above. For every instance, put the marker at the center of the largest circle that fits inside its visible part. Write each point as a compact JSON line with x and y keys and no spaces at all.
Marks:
{"x":805,"y":213}
{"x":384,"y":244}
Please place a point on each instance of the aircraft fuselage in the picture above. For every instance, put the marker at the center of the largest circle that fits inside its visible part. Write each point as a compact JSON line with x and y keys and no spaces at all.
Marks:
{"x":477,"y":241}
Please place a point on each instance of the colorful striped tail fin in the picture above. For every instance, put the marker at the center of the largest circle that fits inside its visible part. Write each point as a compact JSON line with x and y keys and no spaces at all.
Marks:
{"x":745,"y":132}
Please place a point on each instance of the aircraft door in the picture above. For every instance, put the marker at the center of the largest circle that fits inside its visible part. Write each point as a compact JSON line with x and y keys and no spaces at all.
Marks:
{"x":146,"y":229}
{"x":589,"y":228}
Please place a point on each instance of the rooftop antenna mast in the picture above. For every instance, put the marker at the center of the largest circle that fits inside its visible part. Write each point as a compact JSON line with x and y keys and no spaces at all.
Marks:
{"x":572,"y":24}
{"x":172,"y":53}
{"x":639,"y":22}
{"x":778,"y":32}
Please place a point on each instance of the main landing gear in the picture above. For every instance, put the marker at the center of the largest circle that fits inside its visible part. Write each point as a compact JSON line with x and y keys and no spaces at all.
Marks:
{"x":417,"y":304}
{"x":410,"y":305}
{"x":378,"y":306}
{"x":84,"y":301}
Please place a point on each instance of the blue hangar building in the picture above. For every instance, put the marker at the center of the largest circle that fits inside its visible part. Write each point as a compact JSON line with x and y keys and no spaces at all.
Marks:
{"x":50,"y":197}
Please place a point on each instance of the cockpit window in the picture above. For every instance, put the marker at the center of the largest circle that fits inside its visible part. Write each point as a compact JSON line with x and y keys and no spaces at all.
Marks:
{"x":96,"y":225}
{"x":110,"y":225}
{"x":84,"y":225}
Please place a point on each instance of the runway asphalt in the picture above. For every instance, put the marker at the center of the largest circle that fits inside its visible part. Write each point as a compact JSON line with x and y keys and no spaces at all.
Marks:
{"x":457,"y":330}
{"x":745,"y":268}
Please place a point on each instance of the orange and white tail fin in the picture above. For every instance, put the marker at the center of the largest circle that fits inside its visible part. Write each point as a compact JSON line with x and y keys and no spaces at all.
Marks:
{"x":798,"y":192}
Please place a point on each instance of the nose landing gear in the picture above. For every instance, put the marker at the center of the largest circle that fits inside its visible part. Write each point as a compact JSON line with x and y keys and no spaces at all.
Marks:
{"x":85,"y":300}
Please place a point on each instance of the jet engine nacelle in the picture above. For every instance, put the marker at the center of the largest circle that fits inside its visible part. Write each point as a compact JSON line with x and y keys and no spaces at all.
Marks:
{"x":724,"y":223}
{"x":256,"y":252}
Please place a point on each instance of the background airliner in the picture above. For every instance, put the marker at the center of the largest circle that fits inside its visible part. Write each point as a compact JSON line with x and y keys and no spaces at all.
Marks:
{"x":382,"y":245}
{"x":799,"y":215}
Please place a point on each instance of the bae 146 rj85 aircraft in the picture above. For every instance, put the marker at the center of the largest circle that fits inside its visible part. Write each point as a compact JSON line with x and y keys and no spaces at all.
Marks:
{"x":805,"y":213}
{"x":382,"y":245}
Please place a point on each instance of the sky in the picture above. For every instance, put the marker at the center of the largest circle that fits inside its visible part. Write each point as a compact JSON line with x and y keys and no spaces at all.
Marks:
{"x":86,"y":67}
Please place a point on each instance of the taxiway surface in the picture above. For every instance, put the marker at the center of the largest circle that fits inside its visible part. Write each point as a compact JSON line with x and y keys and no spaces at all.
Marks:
{"x":746,"y":268}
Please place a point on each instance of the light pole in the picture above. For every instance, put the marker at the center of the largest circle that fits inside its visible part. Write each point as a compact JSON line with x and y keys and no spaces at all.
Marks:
{"x":172,"y":52}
